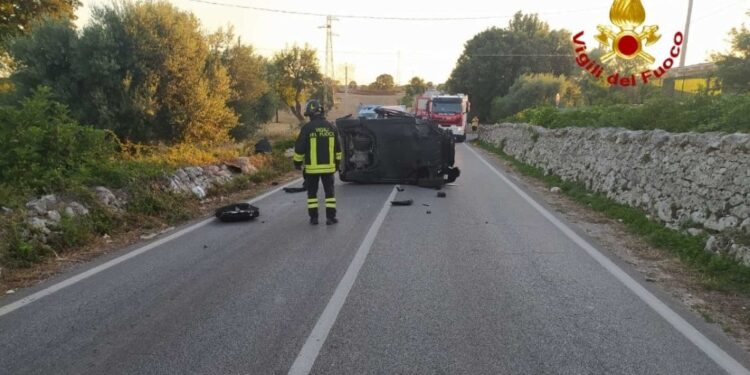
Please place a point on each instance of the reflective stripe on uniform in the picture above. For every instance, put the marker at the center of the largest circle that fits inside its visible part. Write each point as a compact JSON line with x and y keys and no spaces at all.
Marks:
{"x":313,"y":152}
{"x":338,"y":156}
{"x":320,"y":169}
{"x":330,"y":149}
{"x":312,"y":203}
{"x":330,"y":202}
{"x":299,"y":157}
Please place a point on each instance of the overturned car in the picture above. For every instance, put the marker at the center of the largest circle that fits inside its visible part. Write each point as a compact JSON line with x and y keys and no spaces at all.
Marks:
{"x":396,"y":148}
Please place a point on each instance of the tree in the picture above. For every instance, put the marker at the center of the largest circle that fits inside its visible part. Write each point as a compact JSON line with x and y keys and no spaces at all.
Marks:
{"x":495,"y":58}
{"x":252,"y":96}
{"x":383,"y":82}
{"x":324,"y":93}
{"x":536,"y":89}
{"x":416,"y":86}
{"x":353,"y":85}
{"x":17,"y":17}
{"x":734,"y":66}
{"x":140,"y":69}
{"x":297,"y":75}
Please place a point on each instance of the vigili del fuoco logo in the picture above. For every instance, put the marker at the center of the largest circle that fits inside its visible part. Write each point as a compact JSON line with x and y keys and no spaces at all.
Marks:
{"x":629,"y":39}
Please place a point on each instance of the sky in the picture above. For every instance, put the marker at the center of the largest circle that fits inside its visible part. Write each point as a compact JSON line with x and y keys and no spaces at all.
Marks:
{"x":429,"y":49}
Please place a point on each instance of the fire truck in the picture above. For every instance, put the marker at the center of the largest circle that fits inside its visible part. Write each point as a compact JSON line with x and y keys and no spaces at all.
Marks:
{"x":451,"y":112}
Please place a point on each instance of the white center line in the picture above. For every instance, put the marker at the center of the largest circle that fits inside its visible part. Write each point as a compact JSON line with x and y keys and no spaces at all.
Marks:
{"x":132,"y":254}
{"x":309,"y":353}
{"x":713,"y":351}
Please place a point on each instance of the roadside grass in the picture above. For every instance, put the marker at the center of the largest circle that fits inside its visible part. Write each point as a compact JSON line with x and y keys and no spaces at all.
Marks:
{"x":150,"y":204}
{"x":717,"y":272}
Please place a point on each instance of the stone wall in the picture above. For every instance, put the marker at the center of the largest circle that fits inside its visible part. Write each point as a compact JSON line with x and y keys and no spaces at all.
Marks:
{"x":44,"y":214}
{"x":696,"y":182}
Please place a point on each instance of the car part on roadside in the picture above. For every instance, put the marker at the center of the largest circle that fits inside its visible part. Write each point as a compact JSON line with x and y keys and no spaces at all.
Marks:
{"x":441,"y":194}
{"x":397,"y":148}
{"x":292,"y":190}
{"x":407,"y":202}
{"x":237,"y":212}
{"x":263,"y":147}
{"x":400,"y":189}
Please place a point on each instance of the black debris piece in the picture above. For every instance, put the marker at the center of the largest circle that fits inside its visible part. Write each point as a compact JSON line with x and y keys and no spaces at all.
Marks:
{"x":263,"y":147}
{"x":425,"y":204}
{"x":237,"y":212}
{"x":399,"y":188}
{"x":292,"y":190}
{"x":441,"y":194}
{"x":275,"y":183}
{"x":408,"y":202}
{"x":429,"y":212}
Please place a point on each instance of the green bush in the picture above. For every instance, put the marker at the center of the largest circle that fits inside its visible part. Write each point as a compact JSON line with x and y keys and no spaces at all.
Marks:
{"x":15,"y":249}
{"x":43,"y":150}
{"x":702,"y":113}
{"x":531,"y":90}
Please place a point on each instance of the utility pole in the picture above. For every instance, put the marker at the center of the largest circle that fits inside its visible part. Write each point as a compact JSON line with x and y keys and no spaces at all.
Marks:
{"x":687,"y":32}
{"x":398,"y":69}
{"x":329,"y":69}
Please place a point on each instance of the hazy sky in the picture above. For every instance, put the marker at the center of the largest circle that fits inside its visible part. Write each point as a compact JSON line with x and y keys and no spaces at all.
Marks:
{"x":430,"y":48}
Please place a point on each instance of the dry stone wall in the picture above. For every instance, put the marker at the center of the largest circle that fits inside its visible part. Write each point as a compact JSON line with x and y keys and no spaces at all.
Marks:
{"x":696,"y":182}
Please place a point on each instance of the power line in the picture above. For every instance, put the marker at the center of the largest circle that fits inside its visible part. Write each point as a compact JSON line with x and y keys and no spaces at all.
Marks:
{"x":384,"y":18}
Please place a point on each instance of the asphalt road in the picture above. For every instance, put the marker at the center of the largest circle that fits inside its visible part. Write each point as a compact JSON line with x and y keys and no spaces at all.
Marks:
{"x":486,"y":283}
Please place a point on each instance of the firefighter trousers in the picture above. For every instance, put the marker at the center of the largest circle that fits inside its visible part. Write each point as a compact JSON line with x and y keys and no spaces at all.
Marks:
{"x":311,"y":183}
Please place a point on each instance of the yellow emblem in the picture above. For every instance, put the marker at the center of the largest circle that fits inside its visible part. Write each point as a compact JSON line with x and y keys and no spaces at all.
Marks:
{"x":628,"y":43}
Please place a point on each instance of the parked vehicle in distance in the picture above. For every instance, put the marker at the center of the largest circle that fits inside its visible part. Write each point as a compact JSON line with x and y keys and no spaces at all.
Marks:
{"x":451,"y":112}
{"x":368,"y":111}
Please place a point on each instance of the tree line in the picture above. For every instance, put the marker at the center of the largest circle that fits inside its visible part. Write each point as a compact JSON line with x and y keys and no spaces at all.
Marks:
{"x":525,"y":64}
{"x":147,"y":72}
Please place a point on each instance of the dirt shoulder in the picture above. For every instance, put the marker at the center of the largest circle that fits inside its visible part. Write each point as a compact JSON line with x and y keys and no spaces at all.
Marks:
{"x":730,"y":311}
{"x":13,"y":279}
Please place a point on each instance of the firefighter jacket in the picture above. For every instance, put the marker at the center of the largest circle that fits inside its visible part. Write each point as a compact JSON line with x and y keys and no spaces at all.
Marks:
{"x":318,"y":147}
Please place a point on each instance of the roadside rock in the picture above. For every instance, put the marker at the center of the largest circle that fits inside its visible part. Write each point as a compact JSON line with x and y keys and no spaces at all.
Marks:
{"x":76,"y":209}
{"x":107,"y":197}
{"x":42,"y":205}
{"x":695,"y":232}
{"x":241,"y":165}
{"x":289,"y":153}
{"x":54,"y":216}
{"x":556,"y":190}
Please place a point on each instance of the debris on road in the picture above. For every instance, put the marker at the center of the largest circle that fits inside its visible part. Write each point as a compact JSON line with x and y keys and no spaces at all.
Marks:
{"x":429,"y":212}
{"x":292,"y":190}
{"x":10,"y":291}
{"x":407,"y":202}
{"x":237,"y":212}
{"x":400,"y":189}
{"x":441,"y":194}
{"x":425,"y":204}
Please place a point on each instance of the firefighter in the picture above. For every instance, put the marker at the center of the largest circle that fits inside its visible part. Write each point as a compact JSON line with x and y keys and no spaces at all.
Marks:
{"x":475,"y":124}
{"x":318,"y":150}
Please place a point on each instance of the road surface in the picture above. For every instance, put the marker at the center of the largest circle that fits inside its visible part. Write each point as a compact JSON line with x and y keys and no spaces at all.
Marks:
{"x":487,"y":282}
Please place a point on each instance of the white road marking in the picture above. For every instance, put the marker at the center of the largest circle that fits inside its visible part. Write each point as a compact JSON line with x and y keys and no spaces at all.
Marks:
{"x":713,"y":351}
{"x":309,"y":353}
{"x":84,"y":275}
